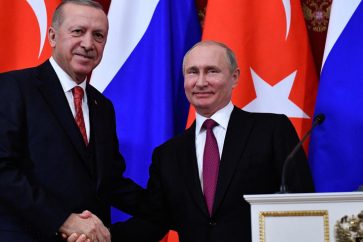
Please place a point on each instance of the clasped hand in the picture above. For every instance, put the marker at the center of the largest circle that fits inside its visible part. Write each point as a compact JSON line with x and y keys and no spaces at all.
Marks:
{"x":84,"y":227}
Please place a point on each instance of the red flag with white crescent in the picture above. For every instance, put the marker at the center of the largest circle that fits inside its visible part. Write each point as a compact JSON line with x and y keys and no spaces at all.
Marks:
{"x":24,"y":27}
{"x":272,"y":48}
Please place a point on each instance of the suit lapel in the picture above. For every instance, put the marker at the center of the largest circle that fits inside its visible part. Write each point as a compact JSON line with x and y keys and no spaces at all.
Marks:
{"x":52,"y":91}
{"x":239,"y":128}
{"x":189,"y":167}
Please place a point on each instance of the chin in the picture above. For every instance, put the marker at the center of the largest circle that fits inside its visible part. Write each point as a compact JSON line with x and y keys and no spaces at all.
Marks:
{"x":204,"y":104}
{"x":83,"y":70}
{"x":203,"y":108}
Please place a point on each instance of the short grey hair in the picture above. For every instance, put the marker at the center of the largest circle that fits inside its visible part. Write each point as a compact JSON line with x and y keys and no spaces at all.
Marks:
{"x":58,"y":13}
{"x":231,"y":57}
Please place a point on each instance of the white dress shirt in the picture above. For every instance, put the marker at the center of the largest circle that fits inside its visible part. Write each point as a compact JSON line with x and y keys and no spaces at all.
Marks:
{"x":222,"y":117}
{"x":68,"y":84}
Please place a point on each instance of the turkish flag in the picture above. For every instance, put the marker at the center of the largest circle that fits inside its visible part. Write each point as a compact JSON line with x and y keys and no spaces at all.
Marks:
{"x":272,"y":48}
{"x":24,"y":27}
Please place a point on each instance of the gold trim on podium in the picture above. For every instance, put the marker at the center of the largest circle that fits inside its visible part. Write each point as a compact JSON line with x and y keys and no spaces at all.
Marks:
{"x":315,"y":213}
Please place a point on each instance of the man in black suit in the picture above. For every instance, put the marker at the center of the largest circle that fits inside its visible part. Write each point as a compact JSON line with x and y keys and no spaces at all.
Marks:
{"x":53,"y":167}
{"x":251,"y":151}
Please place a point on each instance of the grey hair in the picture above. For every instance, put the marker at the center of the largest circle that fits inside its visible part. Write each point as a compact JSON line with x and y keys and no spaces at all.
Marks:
{"x":58,"y":16}
{"x":231,"y":57}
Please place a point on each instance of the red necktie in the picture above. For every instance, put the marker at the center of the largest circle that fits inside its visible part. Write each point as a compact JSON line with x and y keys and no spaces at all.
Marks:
{"x":77,"y":97}
{"x":210,"y":164}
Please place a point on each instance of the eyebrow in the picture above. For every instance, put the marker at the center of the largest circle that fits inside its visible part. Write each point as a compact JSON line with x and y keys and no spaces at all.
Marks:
{"x":203,"y":67}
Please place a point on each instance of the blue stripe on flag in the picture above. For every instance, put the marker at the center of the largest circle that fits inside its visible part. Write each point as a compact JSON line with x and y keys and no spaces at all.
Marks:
{"x":148,"y":92}
{"x":336,"y":146}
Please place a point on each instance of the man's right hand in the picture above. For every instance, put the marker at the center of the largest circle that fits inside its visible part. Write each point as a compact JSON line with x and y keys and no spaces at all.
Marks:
{"x":77,"y":238}
{"x":84,"y":227}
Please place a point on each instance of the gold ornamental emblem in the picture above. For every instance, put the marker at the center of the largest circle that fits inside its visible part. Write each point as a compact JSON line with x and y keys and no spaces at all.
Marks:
{"x":316,"y":13}
{"x":349,"y":229}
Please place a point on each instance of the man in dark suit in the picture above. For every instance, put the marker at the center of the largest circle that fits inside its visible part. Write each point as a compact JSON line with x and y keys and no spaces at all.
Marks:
{"x":53,"y":167}
{"x":200,"y":200}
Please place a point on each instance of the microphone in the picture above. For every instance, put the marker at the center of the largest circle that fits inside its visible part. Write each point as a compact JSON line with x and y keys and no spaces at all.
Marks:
{"x":319,"y":119}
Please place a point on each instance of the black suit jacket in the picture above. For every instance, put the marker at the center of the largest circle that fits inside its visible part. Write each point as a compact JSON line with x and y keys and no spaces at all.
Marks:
{"x":46,"y":171}
{"x":255,"y":148}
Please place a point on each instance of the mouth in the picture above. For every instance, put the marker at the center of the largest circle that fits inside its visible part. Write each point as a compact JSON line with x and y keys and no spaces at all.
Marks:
{"x":85,"y":56}
{"x":202,"y":94}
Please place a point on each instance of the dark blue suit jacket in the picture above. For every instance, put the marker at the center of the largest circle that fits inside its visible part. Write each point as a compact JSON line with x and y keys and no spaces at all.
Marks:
{"x":255,"y":148}
{"x":46,"y":172}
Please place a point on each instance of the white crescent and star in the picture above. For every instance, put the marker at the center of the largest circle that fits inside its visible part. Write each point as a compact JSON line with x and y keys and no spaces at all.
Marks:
{"x":275,"y":99}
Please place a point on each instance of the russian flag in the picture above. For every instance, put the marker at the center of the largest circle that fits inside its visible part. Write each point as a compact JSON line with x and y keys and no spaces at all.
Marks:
{"x":336,"y":148}
{"x":141,"y":72}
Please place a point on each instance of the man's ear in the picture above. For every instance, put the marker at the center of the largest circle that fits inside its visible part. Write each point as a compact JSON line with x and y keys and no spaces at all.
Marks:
{"x":52,"y":36}
{"x":235,"y":77}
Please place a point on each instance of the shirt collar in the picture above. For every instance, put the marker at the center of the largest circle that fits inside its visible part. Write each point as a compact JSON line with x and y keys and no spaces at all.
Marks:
{"x":221,"y":117}
{"x":66,"y":81}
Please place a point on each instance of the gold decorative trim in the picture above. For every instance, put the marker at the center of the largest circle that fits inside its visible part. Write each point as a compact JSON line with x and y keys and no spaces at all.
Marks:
{"x":315,"y":213}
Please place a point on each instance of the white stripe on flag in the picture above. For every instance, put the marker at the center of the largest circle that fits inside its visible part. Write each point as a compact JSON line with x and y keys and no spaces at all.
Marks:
{"x":338,"y":21}
{"x":128,"y":23}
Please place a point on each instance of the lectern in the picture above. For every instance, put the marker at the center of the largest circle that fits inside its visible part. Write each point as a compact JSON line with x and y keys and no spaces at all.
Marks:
{"x":307,"y":217}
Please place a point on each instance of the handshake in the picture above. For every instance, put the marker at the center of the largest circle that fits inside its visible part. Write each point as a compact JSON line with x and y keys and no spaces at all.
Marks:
{"x":84,"y":227}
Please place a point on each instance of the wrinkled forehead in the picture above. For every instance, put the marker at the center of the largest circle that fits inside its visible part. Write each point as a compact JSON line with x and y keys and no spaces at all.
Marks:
{"x":73,"y":13}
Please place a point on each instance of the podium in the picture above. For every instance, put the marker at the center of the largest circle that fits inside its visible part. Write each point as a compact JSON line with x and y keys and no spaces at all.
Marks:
{"x":306,"y":217}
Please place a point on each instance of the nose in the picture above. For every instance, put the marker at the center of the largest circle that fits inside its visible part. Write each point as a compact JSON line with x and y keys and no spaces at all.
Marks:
{"x":87,"y":41}
{"x":201,"y":81}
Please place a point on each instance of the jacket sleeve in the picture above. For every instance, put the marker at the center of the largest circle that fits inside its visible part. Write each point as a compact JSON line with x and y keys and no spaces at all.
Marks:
{"x":149,"y":221}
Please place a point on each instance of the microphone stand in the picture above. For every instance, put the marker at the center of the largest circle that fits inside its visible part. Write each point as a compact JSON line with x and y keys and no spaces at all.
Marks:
{"x":317,"y":120}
